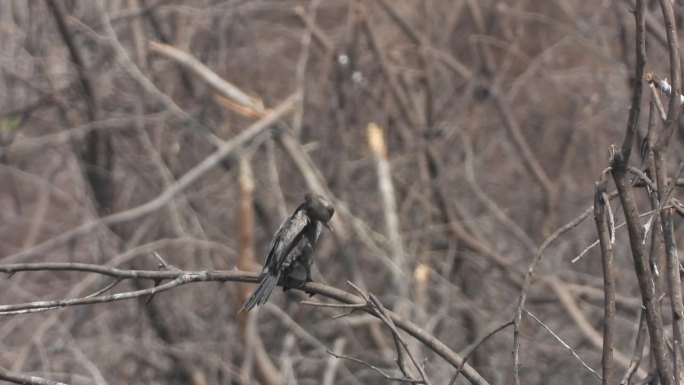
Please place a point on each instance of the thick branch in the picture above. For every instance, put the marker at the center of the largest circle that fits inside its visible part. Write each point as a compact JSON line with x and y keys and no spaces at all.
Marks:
{"x":619,"y":163}
{"x":635,"y":108}
{"x":179,"y":278}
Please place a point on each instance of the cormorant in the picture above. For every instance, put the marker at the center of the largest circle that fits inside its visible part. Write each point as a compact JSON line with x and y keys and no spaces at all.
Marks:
{"x":292,"y":246}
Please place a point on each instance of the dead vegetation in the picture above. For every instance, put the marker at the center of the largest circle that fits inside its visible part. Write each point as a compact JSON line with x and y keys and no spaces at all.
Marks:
{"x":159,"y":143}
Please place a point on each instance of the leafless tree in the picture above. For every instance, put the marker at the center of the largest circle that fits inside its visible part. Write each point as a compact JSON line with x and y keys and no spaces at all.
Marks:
{"x":150,"y":148}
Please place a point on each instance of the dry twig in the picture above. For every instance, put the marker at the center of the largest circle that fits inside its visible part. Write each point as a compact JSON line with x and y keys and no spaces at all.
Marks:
{"x":179,"y":278}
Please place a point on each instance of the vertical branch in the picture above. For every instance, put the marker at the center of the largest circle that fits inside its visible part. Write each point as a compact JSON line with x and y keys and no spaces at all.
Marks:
{"x":97,"y":154}
{"x":641,"y":266}
{"x":635,"y":107}
{"x":264,"y":370}
{"x":675,"y":283}
{"x":59,"y":13}
{"x":659,"y":155}
{"x":675,"y":73}
{"x":389,"y":206}
{"x":657,"y":252}
{"x":427,"y":79}
{"x":606,"y":231}
{"x":398,"y":93}
{"x":619,"y":163}
{"x":245,"y":225}
{"x":333,"y":363}
{"x":531,"y":162}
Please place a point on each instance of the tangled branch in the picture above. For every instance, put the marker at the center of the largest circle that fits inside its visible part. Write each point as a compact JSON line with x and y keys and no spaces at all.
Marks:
{"x":177,"y":277}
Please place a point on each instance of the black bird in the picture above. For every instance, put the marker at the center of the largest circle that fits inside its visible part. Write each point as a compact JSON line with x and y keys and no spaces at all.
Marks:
{"x":292,"y":246}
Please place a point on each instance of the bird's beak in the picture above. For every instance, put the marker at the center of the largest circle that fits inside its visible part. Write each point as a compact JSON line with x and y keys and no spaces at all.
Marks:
{"x":326,"y":224}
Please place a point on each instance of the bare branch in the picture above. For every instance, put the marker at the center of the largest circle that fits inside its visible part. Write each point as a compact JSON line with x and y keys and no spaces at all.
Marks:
{"x":659,"y":155}
{"x":619,"y":163}
{"x":399,"y":341}
{"x":606,"y":237}
{"x":190,"y":177}
{"x":528,"y":281}
{"x":378,"y":370}
{"x":476,"y":345}
{"x":638,"y":349}
{"x":210,"y":77}
{"x":333,"y":364}
{"x":26,"y":380}
{"x":376,"y":141}
{"x":572,"y":351}
{"x":179,"y":278}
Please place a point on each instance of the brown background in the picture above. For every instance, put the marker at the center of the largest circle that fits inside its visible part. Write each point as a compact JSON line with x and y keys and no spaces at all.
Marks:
{"x":497,"y":117}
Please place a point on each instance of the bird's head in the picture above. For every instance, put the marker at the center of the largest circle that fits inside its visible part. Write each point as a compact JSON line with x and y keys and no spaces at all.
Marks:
{"x":318,"y":208}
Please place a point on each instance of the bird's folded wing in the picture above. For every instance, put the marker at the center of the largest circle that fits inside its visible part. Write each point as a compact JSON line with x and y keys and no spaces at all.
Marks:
{"x":285,"y":238}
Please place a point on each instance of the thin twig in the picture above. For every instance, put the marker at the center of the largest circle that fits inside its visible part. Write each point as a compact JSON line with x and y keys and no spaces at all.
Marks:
{"x":405,"y":108}
{"x":642,"y":175}
{"x":573,"y":309}
{"x":528,"y":281}
{"x":663,"y":198}
{"x":638,"y":350}
{"x":477,"y":344}
{"x":127,"y":64}
{"x":333,"y":364}
{"x":657,"y":83}
{"x":621,"y":225}
{"x":317,"y":33}
{"x":31,"y":307}
{"x":106,"y":288}
{"x":595,"y":373}
{"x":190,"y":177}
{"x":179,"y":278}
{"x":378,"y":370}
{"x":656,"y":98}
{"x":335,"y":305}
{"x":399,"y":344}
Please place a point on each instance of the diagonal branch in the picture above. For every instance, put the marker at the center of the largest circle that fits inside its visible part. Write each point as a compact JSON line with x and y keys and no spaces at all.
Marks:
{"x":526,"y":286}
{"x":253,"y":132}
{"x":384,"y":316}
{"x":565,"y":345}
{"x":376,"y":369}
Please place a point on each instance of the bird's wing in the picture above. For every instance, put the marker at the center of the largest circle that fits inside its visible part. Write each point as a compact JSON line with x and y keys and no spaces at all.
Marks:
{"x":306,"y":244}
{"x":285,"y":238}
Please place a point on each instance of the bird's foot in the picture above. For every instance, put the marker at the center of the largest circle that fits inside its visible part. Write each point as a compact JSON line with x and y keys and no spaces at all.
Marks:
{"x":308,"y":279}
{"x":296,"y":283}
{"x":292,"y":283}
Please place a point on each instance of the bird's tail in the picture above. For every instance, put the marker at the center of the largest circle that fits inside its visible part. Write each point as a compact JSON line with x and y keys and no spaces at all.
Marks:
{"x":262,"y":292}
